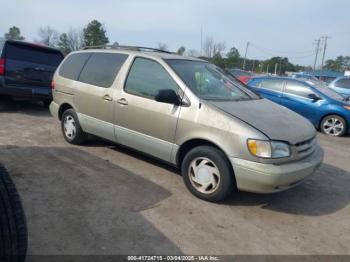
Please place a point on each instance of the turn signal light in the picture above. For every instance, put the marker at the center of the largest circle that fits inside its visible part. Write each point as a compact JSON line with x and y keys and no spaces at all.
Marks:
{"x":2,"y":67}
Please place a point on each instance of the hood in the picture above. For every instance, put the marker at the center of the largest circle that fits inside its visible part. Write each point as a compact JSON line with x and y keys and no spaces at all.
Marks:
{"x":275,"y":121}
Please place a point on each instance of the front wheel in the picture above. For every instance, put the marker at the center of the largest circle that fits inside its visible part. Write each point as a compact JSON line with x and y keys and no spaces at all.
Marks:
{"x":208,"y":174}
{"x":333,"y":125}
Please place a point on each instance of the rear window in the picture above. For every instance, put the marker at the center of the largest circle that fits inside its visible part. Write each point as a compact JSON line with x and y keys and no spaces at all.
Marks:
{"x":73,"y":65}
{"x":32,"y":54}
{"x":274,"y":85}
{"x":102,"y":68}
{"x":343,"y":83}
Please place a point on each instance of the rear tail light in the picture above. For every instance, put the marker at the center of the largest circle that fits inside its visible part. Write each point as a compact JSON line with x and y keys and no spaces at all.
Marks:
{"x":53,"y":84}
{"x":2,"y":67}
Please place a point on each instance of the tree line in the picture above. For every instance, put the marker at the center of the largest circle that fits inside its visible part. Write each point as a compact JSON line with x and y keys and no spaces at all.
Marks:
{"x":94,"y":34}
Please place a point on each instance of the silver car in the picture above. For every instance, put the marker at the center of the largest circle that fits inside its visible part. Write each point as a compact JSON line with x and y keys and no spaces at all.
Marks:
{"x":187,"y":112}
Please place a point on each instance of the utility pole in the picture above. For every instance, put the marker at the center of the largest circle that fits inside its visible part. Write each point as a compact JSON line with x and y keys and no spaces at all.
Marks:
{"x":201,"y":40}
{"x":324,"y":38}
{"x":245,"y":55}
{"x":317,"y":43}
{"x":276,"y":65}
{"x":267,"y":70}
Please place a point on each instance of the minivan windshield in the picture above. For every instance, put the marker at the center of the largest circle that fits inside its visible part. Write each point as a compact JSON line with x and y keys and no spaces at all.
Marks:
{"x":209,"y":82}
{"x":323,"y":88}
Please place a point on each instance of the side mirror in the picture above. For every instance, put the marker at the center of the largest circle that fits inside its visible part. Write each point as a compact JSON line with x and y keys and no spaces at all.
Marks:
{"x":167,"y":96}
{"x":314,"y":97}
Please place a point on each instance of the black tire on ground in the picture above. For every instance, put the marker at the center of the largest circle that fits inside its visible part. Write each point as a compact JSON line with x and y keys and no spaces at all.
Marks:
{"x":80,"y":136}
{"x":227,"y":182}
{"x":345,"y":124}
{"x":13,"y":228}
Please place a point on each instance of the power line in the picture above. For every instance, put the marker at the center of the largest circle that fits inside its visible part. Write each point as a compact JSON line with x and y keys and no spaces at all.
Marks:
{"x":264,"y":49}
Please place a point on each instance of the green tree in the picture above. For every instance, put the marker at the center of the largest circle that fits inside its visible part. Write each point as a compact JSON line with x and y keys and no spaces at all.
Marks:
{"x":14,"y":33}
{"x":233,"y":58}
{"x":340,"y":64}
{"x":218,"y":60}
{"x":181,"y":50}
{"x":63,"y":44}
{"x":95,"y":34}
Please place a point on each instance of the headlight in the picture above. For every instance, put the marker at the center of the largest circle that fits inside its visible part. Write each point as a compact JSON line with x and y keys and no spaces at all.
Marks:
{"x":268,"y":149}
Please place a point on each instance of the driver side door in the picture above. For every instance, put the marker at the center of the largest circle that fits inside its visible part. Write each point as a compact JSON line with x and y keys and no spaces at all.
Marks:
{"x":141,"y":122}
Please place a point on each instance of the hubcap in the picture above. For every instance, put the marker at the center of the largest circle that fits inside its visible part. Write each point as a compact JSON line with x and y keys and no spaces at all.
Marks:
{"x":333,"y":126}
{"x":204,"y":175}
{"x":69,"y":127}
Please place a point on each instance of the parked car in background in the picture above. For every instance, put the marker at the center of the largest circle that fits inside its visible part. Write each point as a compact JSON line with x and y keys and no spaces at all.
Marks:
{"x":304,"y":76}
{"x":341,"y":85}
{"x":241,"y":75}
{"x":187,"y":112}
{"x":26,"y":70}
{"x":327,"y":110}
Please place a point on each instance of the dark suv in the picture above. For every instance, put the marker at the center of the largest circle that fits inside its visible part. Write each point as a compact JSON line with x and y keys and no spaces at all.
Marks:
{"x":26,"y":70}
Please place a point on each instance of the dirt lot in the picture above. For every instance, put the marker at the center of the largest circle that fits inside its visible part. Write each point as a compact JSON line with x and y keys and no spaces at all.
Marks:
{"x":102,"y":199}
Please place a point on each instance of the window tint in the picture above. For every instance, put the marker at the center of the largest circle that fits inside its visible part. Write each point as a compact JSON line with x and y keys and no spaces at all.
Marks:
{"x":33,"y":54}
{"x":275,"y":85}
{"x":102,"y":68}
{"x":298,"y":89}
{"x":343,"y":83}
{"x":73,"y":65}
{"x":147,"y":77}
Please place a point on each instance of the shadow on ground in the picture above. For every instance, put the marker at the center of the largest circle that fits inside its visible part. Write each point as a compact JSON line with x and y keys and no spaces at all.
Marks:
{"x":326,"y":192}
{"x":8,"y":105}
{"x":77,"y":203}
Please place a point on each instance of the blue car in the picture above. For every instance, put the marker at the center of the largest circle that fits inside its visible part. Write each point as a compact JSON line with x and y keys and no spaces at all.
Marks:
{"x":341,"y":85}
{"x":327,"y":110}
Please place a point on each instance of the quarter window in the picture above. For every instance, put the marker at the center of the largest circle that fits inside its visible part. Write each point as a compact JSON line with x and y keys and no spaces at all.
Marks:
{"x":274,"y":85}
{"x":147,"y":77}
{"x":102,"y":68}
{"x":298,"y":89}
{"x":73,"y":65}
{"x":343,"y":83}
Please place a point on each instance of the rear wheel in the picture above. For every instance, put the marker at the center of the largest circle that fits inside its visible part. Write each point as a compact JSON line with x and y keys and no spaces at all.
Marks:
{"x":71,"y":129}
{"x":333,"y":125}
{"x":13,"y":229}
{"x":208,"y":174}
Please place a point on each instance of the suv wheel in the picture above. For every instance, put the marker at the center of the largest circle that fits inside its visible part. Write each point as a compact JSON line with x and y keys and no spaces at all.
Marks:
{"x":333,"y":125}
{"x":208,"y":174}
{"x":13,"y":228}
{"x":71,"y":129}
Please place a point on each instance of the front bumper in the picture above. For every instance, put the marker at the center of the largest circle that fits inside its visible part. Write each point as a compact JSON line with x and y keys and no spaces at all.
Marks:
{"x":269,"y":178}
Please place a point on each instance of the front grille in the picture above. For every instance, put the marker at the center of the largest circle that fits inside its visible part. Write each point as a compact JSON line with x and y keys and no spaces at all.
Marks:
{"x":306,"y":147}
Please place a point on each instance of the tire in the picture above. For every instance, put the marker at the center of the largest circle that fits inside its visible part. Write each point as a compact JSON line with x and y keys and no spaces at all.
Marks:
{"x":76,"y":136}
{"x":332,"y":121}
{"x":209,"y":158}
{"x":13,"y":228}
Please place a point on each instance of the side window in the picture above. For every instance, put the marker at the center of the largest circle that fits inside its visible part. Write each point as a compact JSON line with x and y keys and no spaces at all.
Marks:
{"x":298,"y":89}
{"x":73,"y":65}
{"x":254,"y":82}
{"x":147,"y":77}
{"x":102,"y":68}
{"x":343,"y":83}
{"x":274,"y":85}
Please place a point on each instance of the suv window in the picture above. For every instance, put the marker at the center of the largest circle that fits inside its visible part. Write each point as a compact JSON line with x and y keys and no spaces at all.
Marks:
{"x":343,"y":83}
{"x":146,"y":77}
{"x":32,"y":54}
{"x":73,"y":65}
{"x":274,"y":85}
{"x":298,"y":89}
{"x":102,"y":68}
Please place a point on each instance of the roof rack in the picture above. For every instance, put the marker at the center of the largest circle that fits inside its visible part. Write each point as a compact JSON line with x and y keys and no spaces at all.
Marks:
{"x":126,"y":47}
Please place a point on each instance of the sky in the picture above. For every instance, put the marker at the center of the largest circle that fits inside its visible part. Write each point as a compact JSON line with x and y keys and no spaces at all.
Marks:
{"x":273,"y":27}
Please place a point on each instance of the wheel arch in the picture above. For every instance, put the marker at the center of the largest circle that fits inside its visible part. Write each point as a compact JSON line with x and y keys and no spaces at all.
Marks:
{"x":330,"y":114}
{"x":63,"y":107}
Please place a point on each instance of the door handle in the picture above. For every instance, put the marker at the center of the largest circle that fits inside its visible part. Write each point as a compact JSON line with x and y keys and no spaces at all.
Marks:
{"x":122,"y":101}
{"x":107,"y":98}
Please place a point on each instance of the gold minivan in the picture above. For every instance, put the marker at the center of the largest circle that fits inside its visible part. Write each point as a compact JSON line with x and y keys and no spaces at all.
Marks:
{"x":187,"y":112}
